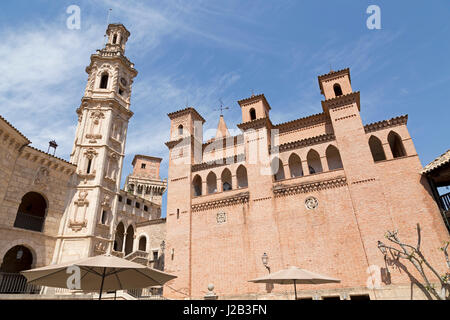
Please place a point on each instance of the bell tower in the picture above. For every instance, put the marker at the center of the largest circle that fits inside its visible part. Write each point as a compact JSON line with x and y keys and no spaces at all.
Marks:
{"x":98,"y":151}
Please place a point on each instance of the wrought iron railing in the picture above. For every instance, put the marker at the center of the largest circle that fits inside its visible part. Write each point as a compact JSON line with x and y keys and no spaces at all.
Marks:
{"x":14,"y":283}
{"x":29,"y":222}
{"x":445,"y":201}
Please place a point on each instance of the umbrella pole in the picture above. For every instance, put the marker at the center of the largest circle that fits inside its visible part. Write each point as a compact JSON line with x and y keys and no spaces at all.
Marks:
{"x":101,"y":286}
{"x":295,"y":289}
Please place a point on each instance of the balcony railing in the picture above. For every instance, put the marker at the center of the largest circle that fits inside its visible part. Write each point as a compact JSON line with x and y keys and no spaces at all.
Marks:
{"x":147,"y":294}
{"x":445,"y":201}
{"x":14,"y":283}
{"x":29,"y":222}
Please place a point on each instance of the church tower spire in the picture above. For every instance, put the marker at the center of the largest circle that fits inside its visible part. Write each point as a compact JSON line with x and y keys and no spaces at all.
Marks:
{"x":98,"y":150}
{"x":222,"y":130}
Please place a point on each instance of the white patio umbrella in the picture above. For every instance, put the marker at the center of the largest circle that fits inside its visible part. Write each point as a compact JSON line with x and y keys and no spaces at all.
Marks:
{"x":294,"y":275}
{"x":100,"y":273}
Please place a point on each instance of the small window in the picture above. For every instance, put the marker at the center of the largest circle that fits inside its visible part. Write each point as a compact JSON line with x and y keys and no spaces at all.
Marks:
{"x":155,"y":255}
{"x":104,"y":81}
{"x":145,"y":208}
{"x":120,"y":198}
{"x":121,"y":92}
{"x":104,"y":217}
{"x":138,"y":205}
{"x":178,"y":213}
{"x":129,"y":202}
{"x":88,"y":170}
{"x":305,"y":298}
{"x":180,"y":130}
{"x":114,"y":39}
{"x":143,"y":165}
{"x":337,"y":90}
{"x":252,"y":114}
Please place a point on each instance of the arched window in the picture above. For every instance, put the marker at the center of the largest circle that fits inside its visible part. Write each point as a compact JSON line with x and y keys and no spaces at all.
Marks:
{"x":252,"y":114}
{"x":396,"y":144}
{"x":277,"y":169}
{"x":16,"y":259}
{"x":376,"y":148}
{"x":31,"y":212}
{"x":314,"y":162}
{"x":333,"y":158}
{"x":104,"y":81}
{"x":226,"y":180}
{"x":337,"y":90}
{"x":180,"y":130}
{"x":241,"y":176}
{"x":142,"y":243}
{"x":129,"y":240}
{"x":295,"y":166}
{"x":211,"y":182}
{"x":104,"y":217}
{"x":197,"y":184}
{"x":114,"y":39}
{"x":118,"y":241}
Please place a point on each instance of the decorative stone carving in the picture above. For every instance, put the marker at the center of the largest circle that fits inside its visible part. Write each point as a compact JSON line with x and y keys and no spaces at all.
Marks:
{"x":77,"y":225}
{"x":106,"y":203}
{"x":311,"y":203}
{"x":82,"y":198}
{"x":221,"y":217}
{"x":100,"y":247}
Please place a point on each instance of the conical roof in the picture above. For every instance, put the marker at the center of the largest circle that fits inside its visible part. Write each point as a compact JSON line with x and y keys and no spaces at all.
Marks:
{"x":222,"y":130}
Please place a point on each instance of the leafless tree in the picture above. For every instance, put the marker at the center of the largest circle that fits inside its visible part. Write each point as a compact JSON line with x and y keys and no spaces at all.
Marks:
{"x":401,"y":250}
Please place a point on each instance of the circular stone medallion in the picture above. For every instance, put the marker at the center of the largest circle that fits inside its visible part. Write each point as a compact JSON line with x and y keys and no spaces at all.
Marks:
{"x":311,"y":203}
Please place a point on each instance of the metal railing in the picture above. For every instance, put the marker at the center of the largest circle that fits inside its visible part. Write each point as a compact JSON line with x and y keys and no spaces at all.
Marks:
{"x":137,"y":254}
{"x":147,"y":294}
{"x":14,"y":283}
{"x":445,"y":201}
{"x":117,"y":253}
{"x":29,"y":222}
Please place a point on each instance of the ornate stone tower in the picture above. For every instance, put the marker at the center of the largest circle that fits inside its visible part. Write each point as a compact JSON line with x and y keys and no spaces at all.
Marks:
{"x":98,"y":151}
{"x":145,"y":180}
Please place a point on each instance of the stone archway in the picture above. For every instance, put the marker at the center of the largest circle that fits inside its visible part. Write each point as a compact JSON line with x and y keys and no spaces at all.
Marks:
{"x":16,"y":259}
{"x":129,"y":240}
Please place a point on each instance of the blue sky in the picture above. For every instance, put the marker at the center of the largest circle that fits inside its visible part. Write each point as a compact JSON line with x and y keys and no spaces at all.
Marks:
{"x":203,"y":51}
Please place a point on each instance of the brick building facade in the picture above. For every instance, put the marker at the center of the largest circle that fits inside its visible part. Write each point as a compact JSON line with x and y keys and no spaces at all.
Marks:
{"x":316,"y":192}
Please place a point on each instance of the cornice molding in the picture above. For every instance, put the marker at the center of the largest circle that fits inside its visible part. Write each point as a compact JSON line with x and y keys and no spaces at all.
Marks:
{"x":253,"y":99}
{"x":342,"y":101}
{"x":219,"y":162}
{"x":184,"y":111}
{"x":380,"y":125}
{"x":286,"y":190}
{"x":304,"y":142}
{"x":239,"y":198}
{"x":256,"y":124}
{"x":302,"y":122}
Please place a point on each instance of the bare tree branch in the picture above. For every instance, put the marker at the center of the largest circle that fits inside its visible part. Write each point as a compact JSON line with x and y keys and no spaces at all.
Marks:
{"x":417,"y":259}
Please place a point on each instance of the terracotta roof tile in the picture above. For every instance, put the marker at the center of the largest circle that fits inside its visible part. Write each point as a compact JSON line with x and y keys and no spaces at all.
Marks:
{"x":438,"y":162}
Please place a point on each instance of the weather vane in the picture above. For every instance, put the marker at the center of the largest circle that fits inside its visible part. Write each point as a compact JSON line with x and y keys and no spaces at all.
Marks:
{"x":221,"y":108}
